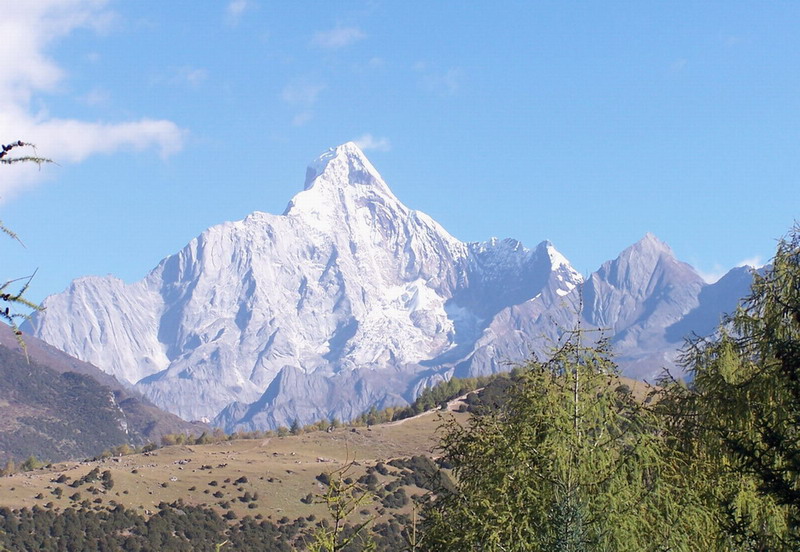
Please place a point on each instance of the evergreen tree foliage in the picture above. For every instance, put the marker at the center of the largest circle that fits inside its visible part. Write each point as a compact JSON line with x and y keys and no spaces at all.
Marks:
{"x":743,"y":412}
{"x":31,"y":463}
{"x":295,"y":429}
{"x":570,"y":462}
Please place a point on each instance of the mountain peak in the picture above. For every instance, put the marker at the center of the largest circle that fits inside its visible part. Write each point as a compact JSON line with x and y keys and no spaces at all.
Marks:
{"x":647,"y":250}
{"x":340,"y":177}
{"x":651,"y":243}
{"x":340,"y":160}
{"x":643,"y":265}
{"x":555,"y":256}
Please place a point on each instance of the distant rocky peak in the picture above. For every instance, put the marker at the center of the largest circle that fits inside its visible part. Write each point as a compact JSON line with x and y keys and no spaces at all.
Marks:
{"x":338,"y":182}
{"x":645,"y":253}
{"x":556,"y":258}
{"x":345,"y":161}
{"x":650,"y":244}
{"x":634,"y":267}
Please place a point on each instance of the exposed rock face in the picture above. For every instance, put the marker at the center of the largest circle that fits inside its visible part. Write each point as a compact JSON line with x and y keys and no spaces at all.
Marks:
{"x":350,"y":299}
{"x":636,"y":297}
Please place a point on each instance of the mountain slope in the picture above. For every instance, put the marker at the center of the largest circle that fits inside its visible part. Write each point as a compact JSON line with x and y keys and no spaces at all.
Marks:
{"x":636,"y":297}
{"x":349,"y":299}
{"x":56,"y":407}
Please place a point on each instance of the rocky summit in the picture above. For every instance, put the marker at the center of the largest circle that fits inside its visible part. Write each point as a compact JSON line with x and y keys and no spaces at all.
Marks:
{"x":350,"y":299}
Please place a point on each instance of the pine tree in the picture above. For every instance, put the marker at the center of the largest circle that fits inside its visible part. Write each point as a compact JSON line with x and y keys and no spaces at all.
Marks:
{"x":743,"y":411}
{"x":31,"y":463}
{"x":570,"y":462}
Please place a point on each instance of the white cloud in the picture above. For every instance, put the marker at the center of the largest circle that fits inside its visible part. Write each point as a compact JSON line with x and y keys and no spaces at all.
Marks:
{"x":713,"y":275}
{"x":96,"y":97}
{"x":754,"y":262}
{"x":678,"y":65}
{"x":235,"y":11}
{"x":338,"y":37}
{"x":192,"y":76}
{"x":32,"y":27}
{"x":445,"y":83}
{"x":302,"y":96}
{"x":72,"y":141}
{"x":730,"y":40}
{"x":302,"y":118}
{"x":302,"y":93}
{"x":718,"y":271}
{"x":368,"y":142}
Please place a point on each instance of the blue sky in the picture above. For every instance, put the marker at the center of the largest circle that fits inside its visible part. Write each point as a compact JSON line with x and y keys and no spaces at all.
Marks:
{"x":588,"y":124}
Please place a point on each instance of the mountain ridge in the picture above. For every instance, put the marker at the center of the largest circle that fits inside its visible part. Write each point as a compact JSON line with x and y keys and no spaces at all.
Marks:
{"x":351,"y":298}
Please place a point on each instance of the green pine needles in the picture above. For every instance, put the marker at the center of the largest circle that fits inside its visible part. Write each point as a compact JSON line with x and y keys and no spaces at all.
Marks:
{"x":572,"y":462}
{"x":742,"y":415}
{"x":569,"y":463}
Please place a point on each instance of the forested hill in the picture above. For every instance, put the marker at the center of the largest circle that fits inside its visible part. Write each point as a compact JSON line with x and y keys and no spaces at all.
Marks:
{"x":52,"y":415}
{"x":55,"y":407}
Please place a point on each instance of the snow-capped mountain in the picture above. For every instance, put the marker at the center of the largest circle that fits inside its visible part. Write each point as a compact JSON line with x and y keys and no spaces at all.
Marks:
{"x":350,"y":299}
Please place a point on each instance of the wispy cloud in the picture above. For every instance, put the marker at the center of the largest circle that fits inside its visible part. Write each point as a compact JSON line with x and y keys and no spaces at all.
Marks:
{"x":73,"y":141}
{"x":193,"y":76}
{"x":302,"y":118}
{"x":678,"y":65}
{"x":731,"y":40}
{"x":338,"y":37}
{"x":96,"y":97}
{"x":369,"y":142}
{"x":713,"y":275}
{"x":718,"y":271}
{"x":302,"y":95}
{"x":32,"y":27}
{"x":443,"y":83}
{"x":754,"y":261}
{"x":235,"y":11}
